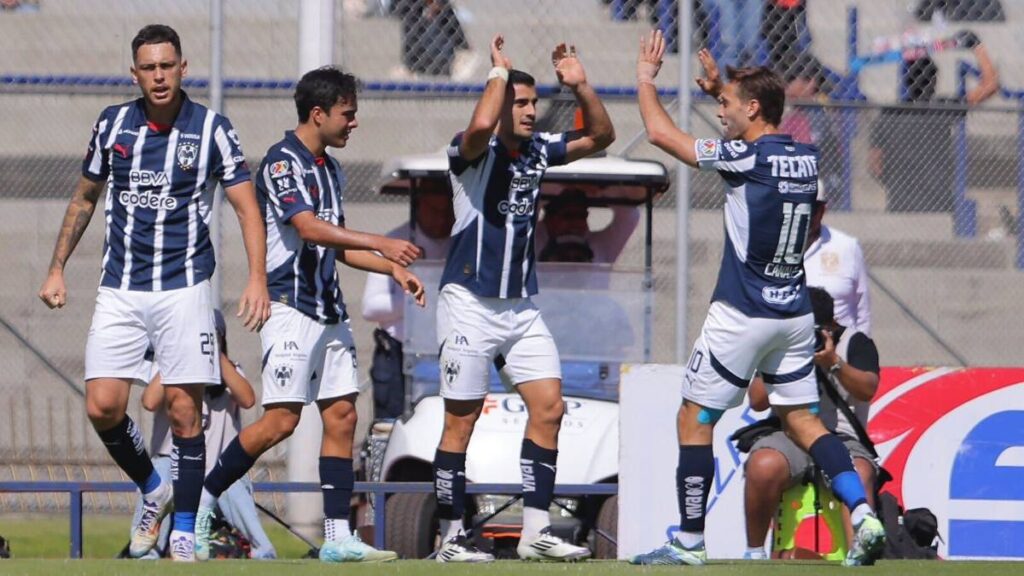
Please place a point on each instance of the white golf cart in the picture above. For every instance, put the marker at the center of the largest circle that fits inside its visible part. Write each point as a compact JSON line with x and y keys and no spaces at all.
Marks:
{"x":600,"y":316}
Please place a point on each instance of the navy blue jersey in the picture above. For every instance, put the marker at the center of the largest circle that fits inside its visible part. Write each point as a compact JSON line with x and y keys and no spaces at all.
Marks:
{"x":160,"y":185}
{"x":495,"y":200}
{"x":301,"y":275}
{"x":772,"y":183}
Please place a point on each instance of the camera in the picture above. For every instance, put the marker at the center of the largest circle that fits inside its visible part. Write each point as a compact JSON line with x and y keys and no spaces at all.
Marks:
{"x":819,"y":338}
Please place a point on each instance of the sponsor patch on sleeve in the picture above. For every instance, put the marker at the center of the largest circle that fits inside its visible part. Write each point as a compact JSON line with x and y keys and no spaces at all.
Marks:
{"x":707,"y":150}
{"x":280,"y":168}
{"x":736,"y":147}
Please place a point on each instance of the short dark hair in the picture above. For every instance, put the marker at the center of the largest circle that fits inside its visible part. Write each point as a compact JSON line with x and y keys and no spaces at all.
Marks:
{"x":323,"y":88}
{"x":520,"y":77}
{"x":762,"y":84}
{"x":822,"y":304}
{"x":156,"y":34}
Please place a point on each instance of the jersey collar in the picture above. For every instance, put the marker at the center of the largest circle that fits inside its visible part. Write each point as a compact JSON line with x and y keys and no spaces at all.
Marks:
{"x":138,"y":113}
{"x":776,"y":138}
{"x":308,"y":156}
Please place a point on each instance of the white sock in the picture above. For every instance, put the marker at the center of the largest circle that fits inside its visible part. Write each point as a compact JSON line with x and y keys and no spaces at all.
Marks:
{"x":755,"y":553}
{"x":690,"y":540}
{"x":534,"y":520}
{"x":858,"y":514}
{"x":336,"y":529}
{"x":207,"y":500}
{"x":450,"y":529}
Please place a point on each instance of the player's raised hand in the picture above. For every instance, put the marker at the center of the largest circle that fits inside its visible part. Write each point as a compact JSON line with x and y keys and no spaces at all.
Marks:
{"x":567,"y":66}
{"x":648,"y":63}
{"x":711,"y":83}
{"x":254,"y":305}
{"x":401,"y":252}
{"x":411,"y":284}
{"x":53,"y":293}
{"x":497,"y":57}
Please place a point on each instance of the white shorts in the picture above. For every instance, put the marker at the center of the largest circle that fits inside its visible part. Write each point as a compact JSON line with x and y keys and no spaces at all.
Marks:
{"x":474,"y":332}
{"x":732,"y":346}
{"x":177,"y":324}
{"x":304,"y":360}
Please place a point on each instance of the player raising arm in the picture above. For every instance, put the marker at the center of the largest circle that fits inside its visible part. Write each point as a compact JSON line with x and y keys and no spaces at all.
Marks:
{"x":484,"y":312}
{"x":760,"y":316}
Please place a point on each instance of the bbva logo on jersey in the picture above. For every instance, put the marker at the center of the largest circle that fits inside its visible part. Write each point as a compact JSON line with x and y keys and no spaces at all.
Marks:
{"x":148,"y":178}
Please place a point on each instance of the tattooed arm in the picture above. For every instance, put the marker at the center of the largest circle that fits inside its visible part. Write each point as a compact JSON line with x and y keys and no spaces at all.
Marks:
{"x":76,"y":220}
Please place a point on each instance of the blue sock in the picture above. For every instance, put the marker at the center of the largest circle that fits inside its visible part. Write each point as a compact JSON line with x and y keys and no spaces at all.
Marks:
{"x":124,"y":443}
{"x":694,"y":474}
{"x":834,"y":460}
{"x":188,"y":464}
{"x":152,"y":483}
{"x":450,"y":484}
{"x":336,"y":483}
{"x":233,"y":463}
{"x":538,"y":468}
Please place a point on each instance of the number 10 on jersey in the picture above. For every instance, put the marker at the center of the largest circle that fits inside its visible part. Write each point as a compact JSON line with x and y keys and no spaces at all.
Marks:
{"x":793,"y":233}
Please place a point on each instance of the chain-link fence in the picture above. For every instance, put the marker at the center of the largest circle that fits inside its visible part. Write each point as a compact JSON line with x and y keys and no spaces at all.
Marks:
{"x":929,"y":182}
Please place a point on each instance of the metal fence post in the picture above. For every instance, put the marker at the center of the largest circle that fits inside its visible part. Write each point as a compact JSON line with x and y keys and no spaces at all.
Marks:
{"x":75,"y":496}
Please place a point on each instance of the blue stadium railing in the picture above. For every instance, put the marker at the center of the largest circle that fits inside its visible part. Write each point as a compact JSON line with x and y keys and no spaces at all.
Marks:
{"x":379,"y":490}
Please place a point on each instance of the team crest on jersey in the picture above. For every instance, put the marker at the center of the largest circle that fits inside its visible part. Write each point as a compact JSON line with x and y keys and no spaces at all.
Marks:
{"x":451,"y":370}
{"x":707,"y":149}
{"x":282,"y":374}
{"x":279,"y":168}
{"x":187,"y":154}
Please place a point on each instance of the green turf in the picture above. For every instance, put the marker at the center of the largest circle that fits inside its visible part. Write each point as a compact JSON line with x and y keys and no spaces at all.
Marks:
{"x":507,"y":568}
{"x":40,"y":546}
{"x":102,"y":537}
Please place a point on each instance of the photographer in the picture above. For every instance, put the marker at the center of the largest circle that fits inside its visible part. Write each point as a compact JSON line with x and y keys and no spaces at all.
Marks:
{"x":846,"y":360}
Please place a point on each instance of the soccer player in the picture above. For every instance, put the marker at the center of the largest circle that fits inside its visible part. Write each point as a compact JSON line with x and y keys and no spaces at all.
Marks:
{"x":760,"y":316}
{"x":308,"y":350}
{"x":158,"y":159}
{"x":484,"y":311}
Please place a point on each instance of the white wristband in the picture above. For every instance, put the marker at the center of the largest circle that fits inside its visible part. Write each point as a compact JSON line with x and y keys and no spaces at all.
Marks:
{"x":498,"y":72}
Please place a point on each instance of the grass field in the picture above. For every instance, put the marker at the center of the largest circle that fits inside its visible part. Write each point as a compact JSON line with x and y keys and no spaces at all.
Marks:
{"x":506,"y":568}
{"x":40,"y":546}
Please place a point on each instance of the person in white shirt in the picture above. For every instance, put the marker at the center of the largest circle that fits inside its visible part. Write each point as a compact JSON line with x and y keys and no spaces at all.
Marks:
{"x":834,"y":261}
{"x":383,"y":300}
{"x":565,"y":222}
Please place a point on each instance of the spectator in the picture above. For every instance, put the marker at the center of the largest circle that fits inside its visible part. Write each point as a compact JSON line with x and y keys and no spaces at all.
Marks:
{"x":383,"y":300}
{"x":431,"y":35}
{"x":565,"y":230}
{"x":739,"y":29}
{"x":663,"y":15}
{"x":918,"y":179}
{"x":809,"y":122}
{"x":784,"y":28}
{"x":222,"y":406}
{"x":847,"y":360}
{"x":19,"y":5}
{"x":834,"y":261}
{"x":961,"y":10}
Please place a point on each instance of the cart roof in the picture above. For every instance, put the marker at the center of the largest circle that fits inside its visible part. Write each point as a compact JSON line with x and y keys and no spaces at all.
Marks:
{"x":607,"y":178}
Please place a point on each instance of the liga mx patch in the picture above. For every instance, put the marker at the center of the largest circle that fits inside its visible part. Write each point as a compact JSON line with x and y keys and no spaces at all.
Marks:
{"x":707,"y":149}
{"x":279,"y":168}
